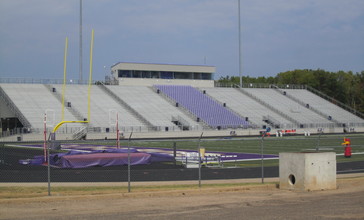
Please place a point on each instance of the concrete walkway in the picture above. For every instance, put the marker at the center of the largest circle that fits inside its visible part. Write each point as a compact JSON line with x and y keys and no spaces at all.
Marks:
{"x":162,"y":183}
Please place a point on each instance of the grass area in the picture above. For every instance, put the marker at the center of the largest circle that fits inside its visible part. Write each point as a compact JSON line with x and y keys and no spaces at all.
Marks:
{"x":272,"y":145}
{"x":14,"y":192}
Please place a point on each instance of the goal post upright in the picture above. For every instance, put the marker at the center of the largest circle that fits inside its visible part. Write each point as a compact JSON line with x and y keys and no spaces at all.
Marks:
{"x":64,"y":87}
{"x":90,"y":76}
{"x":64,"y":76}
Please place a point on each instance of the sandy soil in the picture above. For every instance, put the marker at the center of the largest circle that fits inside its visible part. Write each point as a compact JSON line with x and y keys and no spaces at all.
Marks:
{"x":238,"y":202}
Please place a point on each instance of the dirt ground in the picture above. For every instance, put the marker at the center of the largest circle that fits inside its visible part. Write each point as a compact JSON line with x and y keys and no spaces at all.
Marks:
{"x":236,"y":202}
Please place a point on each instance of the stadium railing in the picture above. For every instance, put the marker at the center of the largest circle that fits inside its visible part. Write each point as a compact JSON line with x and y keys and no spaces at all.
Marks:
{"x":43,"y":81}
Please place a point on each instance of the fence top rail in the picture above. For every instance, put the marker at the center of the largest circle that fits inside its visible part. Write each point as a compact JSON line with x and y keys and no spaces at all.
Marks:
{"x":261,"y":85}
{"x":42,"y":81}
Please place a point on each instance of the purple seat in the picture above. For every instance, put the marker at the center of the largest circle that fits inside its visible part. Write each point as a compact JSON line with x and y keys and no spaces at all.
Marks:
{"x":203,"y":107}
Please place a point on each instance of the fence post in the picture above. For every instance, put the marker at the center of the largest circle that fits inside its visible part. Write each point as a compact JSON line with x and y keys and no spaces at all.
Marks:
{"x":129,"y":161}
{"x":262,"y":155}
{"x":199,"y":161}
{"x":175,"y":152}
{"x":50,"y":144}
{"x":2,"y":153}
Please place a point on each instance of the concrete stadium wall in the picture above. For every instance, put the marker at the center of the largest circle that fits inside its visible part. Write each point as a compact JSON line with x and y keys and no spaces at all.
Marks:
{"x":162,"y":134}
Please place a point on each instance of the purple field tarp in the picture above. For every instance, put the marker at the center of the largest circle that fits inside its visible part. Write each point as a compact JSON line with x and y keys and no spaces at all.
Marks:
{"x":157,"y":155}
{"x":103,"y":158}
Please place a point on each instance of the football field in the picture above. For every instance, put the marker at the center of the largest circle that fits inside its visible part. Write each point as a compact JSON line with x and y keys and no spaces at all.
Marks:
{"x":270,"y":145}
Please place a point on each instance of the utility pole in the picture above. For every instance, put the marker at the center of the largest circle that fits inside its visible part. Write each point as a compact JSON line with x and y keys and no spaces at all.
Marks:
{"x":240,"y":49}
{"x":80,"y":58}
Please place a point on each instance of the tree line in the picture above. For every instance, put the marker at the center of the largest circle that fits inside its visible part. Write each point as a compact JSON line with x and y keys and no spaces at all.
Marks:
{"x":346,"y":87}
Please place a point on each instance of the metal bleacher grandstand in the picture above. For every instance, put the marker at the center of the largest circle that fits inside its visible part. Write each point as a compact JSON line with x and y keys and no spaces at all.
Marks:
{"x":172,"y":108}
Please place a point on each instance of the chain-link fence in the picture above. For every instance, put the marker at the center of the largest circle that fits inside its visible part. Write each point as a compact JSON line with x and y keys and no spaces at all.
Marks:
{"x":198,"y":159}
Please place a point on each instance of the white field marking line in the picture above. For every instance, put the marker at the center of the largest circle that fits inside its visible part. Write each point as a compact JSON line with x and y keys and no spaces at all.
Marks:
{"x":23,"y":146}
{"x":349,"y":171}
{"x":320,"y":148}
{"x":344,"y":146}
{"x":358,"y":153}
{"x":69,"y":149}
{"x":242,"y":160}
{"x":252,"y":159}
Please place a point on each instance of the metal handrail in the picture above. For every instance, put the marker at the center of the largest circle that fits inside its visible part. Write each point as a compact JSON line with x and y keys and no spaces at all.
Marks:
{"x":42,"y":81}
{"x":260,"y":85}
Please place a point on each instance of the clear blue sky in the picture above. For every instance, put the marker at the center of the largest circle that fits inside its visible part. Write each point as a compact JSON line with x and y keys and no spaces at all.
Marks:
{"x":277,"y":35}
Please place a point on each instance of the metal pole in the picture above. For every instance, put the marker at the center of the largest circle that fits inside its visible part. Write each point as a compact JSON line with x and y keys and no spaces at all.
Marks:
{"x":240,"y":50}
{"x":318,"y":142}
{"x":49,"y":172}
{"x":129,"y":161}
{"x":262,"y":155}
{"x":117,"y":131}
{"x":45,"y":138}
{"x":80,"y":61}
{"x":105,"y":74}
{"x":52,"y":135}
{"x":199,"y":161}
{"x":175,"y":152}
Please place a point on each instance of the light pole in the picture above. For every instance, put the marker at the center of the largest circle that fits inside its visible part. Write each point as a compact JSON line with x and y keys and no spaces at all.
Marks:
{"x":105,"y":73}
{"x":80,"y":58}
{"x":240,"y":49}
